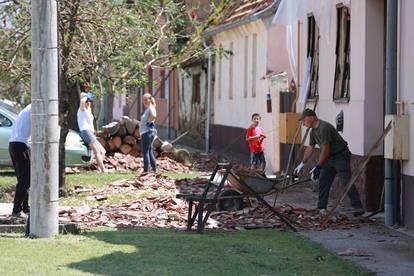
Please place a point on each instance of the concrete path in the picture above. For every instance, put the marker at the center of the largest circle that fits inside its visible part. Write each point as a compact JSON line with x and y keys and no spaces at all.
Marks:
{"x":374,"y":247}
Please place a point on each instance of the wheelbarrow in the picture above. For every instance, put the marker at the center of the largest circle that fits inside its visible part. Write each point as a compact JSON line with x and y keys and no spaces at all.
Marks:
{"x":247,"y":186}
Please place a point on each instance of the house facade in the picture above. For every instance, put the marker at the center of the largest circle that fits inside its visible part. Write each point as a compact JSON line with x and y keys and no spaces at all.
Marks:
{"x":343,"y":72}
{"x":241,"y":85}
{"x":405,"y":84}
{"x":346,"y":79}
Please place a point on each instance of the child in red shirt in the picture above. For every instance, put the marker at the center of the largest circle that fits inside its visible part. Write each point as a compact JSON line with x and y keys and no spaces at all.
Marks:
{"x":255,"y":136}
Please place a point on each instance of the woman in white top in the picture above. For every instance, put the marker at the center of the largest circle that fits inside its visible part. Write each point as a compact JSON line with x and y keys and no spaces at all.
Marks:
{"x":87,"y":130}
{"x":147,"y":132}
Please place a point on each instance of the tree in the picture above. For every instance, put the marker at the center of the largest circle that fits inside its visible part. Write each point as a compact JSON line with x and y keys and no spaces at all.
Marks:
{"x":114,"y":40}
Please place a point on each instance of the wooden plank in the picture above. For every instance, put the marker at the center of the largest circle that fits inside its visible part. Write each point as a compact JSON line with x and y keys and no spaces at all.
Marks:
{"x":355,"y":177}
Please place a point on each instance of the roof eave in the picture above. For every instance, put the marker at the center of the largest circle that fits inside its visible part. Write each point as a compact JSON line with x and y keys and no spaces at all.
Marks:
{"x":259,"y":15}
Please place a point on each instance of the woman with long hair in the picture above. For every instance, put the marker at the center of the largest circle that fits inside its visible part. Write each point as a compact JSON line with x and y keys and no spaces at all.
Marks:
{"x":87,"y":130}
{"x":147,"y":132}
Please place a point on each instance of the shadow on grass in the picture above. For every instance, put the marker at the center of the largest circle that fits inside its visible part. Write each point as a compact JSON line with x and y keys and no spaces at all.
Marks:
{"x":7,"y":173}
{"x":170,"y":252}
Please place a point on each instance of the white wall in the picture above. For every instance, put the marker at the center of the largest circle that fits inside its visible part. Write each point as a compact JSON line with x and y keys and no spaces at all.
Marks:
{"x":363,"y":115}
{"x":406,"y":72}
{"x":237,"y":111}
{"x":118,"y":108}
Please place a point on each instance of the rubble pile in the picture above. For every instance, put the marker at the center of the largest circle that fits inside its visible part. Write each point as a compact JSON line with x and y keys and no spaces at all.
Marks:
{"x":123,"y":163}
{"x":206,"y":163}
{"x":162,"y":209}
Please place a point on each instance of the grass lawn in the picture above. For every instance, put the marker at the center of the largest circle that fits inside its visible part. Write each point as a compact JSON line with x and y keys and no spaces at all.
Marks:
{"x":89,"y":180}
{"x":169,"y":252}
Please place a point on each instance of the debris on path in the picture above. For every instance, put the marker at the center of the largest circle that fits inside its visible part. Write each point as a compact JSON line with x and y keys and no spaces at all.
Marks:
{"x":125,"y":163}
{"x":162,"y":209}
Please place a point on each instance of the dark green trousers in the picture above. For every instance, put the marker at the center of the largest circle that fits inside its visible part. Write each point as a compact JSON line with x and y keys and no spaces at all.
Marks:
{"x":339,"y":164}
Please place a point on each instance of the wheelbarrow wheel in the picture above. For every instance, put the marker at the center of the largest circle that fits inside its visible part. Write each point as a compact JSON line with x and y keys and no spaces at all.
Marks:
{"x":230,"y":204}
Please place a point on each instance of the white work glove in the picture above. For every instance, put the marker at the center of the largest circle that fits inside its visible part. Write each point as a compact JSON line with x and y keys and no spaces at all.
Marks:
{"x":298,"y":169}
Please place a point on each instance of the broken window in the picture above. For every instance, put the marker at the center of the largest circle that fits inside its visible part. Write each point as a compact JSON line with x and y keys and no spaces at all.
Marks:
{"x":196,"y":89}
{"x":313,"y":55}
{"x":342,"y":68}
{"x":163,"y":79}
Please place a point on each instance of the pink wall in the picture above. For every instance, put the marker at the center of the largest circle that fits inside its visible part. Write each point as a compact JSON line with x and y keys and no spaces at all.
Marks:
{"x":277,"y":55}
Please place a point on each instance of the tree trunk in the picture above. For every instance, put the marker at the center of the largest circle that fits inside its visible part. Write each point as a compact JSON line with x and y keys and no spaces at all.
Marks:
{"x":68,"y":106}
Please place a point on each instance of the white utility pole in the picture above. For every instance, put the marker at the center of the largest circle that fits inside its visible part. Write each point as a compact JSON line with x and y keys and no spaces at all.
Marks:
{"x":44,"y":194}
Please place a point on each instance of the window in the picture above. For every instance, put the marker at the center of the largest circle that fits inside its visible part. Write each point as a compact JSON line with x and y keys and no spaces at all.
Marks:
{"x":342,"y":69}
{"x":254,"y":65}
{"x":150,"y":79}
{"x":163,"y":79}
{"x":196,"y":89}
{"x":313,"y":55}
{"x":246,"y":64}
{"x":231,"y":72}
{"x":4,"y":121}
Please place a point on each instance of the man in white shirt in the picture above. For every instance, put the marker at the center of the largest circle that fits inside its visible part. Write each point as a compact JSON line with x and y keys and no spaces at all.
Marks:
{"x":19,"y":149}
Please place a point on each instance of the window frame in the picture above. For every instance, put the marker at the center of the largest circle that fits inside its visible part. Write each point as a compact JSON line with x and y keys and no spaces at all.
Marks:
{"x":313,"y":53}
{"x":342,"y":77}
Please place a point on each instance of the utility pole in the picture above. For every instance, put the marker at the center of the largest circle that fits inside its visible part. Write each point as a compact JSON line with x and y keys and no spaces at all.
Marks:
{"x":44,"y":194}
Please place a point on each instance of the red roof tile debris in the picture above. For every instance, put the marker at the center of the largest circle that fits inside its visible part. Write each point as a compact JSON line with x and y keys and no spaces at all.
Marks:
{"x":247,"y":8}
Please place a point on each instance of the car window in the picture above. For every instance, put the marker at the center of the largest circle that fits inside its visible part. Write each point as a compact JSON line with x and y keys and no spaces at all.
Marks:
{"x":9,"y":107}
{"x":4,"y":121}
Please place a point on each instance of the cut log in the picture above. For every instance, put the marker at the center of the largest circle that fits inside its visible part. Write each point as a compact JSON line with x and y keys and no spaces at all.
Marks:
{"x":181,"y":155}
{"x":111,"y":145}
{"x":137,"y":147}
{"x":130,"y":140}
{"x":135,"y":153}
{"x":136,"y":134}
{"x":131,"y":125}
{"x":125,"y":148}
{"x":103,"y":142}
{"x":117,"y":141}
{"x":112,"y":128}
{"x":124,"y":119}
{"x":121,"y":131}
{"x":102,"y":134}
{"x":157,"y":143}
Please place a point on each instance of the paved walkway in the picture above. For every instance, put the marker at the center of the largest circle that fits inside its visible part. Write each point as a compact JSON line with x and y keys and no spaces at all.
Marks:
{"x":376,"y":248}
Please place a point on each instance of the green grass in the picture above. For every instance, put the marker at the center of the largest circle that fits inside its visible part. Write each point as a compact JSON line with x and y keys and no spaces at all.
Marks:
{"x":169,"y":252}
{"x":179,"y":176}
{"x":91,"y":180}
{"x":94,"y":179}
{"x":7,"y":181}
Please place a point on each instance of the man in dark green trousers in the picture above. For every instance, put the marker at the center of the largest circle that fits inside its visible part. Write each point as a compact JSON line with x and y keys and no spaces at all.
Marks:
{"x":334,"y":158}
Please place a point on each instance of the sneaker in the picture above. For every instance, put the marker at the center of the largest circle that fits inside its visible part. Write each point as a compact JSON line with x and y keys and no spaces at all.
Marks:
{"x":322,"y":212}
{"x":144,"y":173}
{"x":18,"y":215}
{"x":358,"y":212}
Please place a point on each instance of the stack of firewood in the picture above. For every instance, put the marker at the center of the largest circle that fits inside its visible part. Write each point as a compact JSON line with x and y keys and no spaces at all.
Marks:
{"x":121,"y":136}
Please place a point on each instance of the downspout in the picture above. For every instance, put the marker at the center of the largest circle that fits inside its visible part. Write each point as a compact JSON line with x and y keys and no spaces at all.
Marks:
{"x":208,"y":115}
{"x":391,"y":166}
